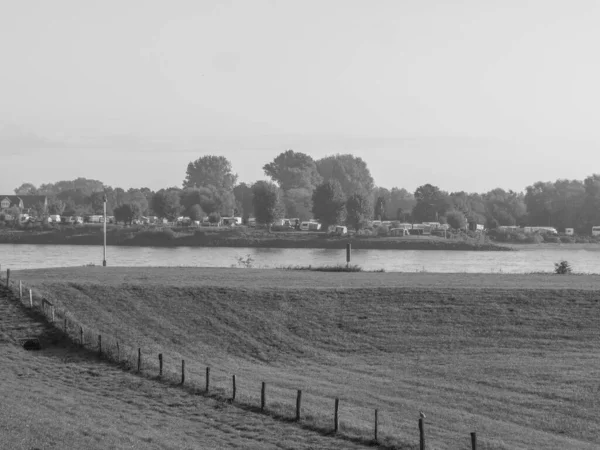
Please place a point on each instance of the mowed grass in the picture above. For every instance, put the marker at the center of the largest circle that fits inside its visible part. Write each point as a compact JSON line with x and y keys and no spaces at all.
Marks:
{"x":514,"y":358}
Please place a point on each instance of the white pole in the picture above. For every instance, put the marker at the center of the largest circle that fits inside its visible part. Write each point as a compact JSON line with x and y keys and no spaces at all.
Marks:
{"x":104,"y":260}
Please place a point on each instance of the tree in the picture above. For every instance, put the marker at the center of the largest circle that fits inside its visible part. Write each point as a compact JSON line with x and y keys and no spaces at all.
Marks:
{"x":127,"y":212}
{"x":293,"y":170}
{"x":267,"y":202}
{"x":379,"y":208}
{"x":166,"y":204}
{"x":456,"y":219}
{"x":357,"y":211}
{"x":243,"y":200}
{"x":209,"y":199}
{"x":195,"y":212}
{"x":210,"y":171}
{"x":329,"y":203}
{"x":298,"y":203}
{"x":26,"y":189}
{"x":350,"y":171}
{"x":431,"y":203}
{"x":96,"y":201}
{"x":214,"y":217}
{"x":55,"y":206}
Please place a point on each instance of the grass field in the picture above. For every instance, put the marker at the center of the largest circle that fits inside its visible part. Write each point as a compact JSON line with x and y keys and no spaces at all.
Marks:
{"x":514,"y":358}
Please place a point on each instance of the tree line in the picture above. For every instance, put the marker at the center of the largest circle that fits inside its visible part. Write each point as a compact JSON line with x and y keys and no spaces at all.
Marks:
{"x":335,"y":189}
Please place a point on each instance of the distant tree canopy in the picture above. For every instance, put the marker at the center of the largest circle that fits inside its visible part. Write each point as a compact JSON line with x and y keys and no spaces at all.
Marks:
{"x":127,"y":213}
{"x":212,"y":172}
{"x":243,"y":200}
{"x":166,"y":204}
{"x":26,"y":189}
{"x":293,"y":170}
{"x":329,"y":203}
{"x":350,"y":171}
{"x":267,"y":202}
{"x":431,"y":203}
{"x":358,"y":211}
{"x":456,"y":219}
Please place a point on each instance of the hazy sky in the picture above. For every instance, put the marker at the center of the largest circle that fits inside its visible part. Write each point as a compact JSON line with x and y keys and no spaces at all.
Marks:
{"x":467,"y":95}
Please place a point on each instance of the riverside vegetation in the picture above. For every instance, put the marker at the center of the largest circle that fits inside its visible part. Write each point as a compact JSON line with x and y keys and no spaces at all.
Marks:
{"x":233,"y":237}
{"x":514,"y":358}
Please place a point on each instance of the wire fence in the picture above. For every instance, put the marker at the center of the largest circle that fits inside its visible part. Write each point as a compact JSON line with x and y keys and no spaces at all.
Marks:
{"x":322,"y":414}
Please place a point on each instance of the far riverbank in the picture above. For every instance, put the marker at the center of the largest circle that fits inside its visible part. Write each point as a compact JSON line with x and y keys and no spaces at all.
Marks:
{"x":167,"y":237}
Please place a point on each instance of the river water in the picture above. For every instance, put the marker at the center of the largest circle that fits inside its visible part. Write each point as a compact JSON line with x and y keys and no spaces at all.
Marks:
{"x":536,"y":259}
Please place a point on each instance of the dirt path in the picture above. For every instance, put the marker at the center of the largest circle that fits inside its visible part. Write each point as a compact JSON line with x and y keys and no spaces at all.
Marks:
{"x":62,"y":397}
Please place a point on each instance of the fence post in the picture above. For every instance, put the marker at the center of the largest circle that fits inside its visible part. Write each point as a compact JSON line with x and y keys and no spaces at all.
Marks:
{"x":30,"y":299}
{"x":336,"y":421}
{"x":421,"y":435}
{"x":207,"y":378}
{"x":160,"y":365}
{"x":233,"y":386}
{"x":376,"y":424}
{"x":20,"y":290}
{"x":348,"y":253}
{"x":99,"y":344}
{"x":298,"y":404}
{"x":7,"y":276}
{"x":474,"y":441}
{"x":139,"y":359}
{"x":263,"y":390}
{"x":81,"y":336}
{"x":118,"y":353}
{"x":182,"y":371}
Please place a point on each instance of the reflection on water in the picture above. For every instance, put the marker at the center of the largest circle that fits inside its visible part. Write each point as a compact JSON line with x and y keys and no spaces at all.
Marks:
{"x":529,"y":260}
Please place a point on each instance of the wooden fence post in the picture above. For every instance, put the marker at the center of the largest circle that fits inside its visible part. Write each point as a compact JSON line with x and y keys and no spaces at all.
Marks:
{"x":263,"y":390}
{"x":99,"y":344}
{"x":182,"y":371}
{"x":207,"y":378}
{"x":421,"y":435}
{"x":336,"y":418}
{"x":139,"y":359}
{"x":81,"y":336}
{"x":376,"y":424}
{"x":233,"y":386}
{"x":30,"y":299}
{"x":298,"y":404}
{"x":160,"y":365}
{"x":474,"y":441}
{"x":7,"y":276}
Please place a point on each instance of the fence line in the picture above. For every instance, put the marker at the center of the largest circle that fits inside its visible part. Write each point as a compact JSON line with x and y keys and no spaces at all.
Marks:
{"x":125,"y":356}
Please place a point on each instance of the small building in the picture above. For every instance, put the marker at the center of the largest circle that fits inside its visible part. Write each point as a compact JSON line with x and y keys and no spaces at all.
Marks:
{"x":340,"y":230}
{"x":569,"y":231}
{"x":399,"y":232}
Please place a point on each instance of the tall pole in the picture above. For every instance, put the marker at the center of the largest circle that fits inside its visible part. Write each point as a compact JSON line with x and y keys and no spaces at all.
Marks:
{"x":104,"y":260}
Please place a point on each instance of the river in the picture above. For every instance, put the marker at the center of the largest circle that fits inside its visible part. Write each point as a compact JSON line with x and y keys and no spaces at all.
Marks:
{"x":535,"y":259}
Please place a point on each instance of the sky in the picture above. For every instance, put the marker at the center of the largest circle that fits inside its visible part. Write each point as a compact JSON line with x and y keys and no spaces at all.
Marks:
{"x":467,"y":95}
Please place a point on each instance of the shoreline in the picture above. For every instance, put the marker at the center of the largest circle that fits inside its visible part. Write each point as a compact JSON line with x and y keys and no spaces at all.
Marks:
{"x":233,"y":238}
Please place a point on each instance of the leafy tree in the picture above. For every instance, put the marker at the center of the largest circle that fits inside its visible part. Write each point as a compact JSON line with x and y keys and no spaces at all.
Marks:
{"x":166,"y":204}
{"x":195,"y":212}
{"x":26,"y":189}
{"x":214,"y":217}
{"x":127,"y":212}
{"x":350,"y":171}
{"x":401,"y":199}
{"x":379,"y":208}
{"x":329,"y":203}
{"x":210,"y":171}
{"x":357,"y":211}
{"x":431,"y":203}
{"x":97,"y":202}
{"x":293,"y":170}
{"x":39,"y":210}
{"x":209,"y":199}
{"x":456,"y":219}
{"x":298,"y":203}
{"x":243,"y":200}
{"x":55,"y":206}
{"x":267,"y":202}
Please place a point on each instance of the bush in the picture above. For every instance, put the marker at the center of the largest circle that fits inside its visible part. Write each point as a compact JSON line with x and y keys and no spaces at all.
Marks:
{"x":383,"y":230}
{"x":567,"y":239}
{"x":160,"y":235}
{"x":562,"y":268}
{"x":551,"y":238}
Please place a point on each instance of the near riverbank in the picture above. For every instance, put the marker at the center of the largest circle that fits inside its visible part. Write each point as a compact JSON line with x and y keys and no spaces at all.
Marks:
{"x":186,"y":237}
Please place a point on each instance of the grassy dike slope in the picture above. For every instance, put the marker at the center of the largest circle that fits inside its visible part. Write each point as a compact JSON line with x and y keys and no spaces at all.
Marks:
{"x":515,"y":358}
